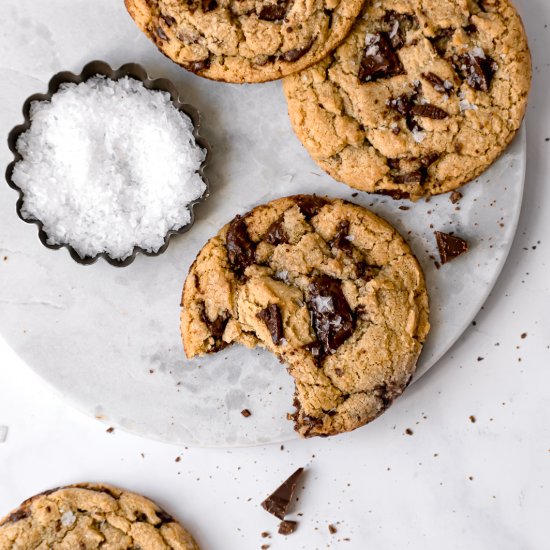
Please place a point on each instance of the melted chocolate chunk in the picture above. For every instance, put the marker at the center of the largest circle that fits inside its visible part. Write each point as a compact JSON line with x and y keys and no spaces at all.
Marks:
{"x":287,"y":527}
{"x":429,"y":111}
{"x":439,"y":85}
{"x":332,"y":317}
{"x":209,"y":5}
{"x":161,"y":34}
{"x":297,"y":53}
{"x":450,"y":247}
{"x":276,"y":233}
{"x":476,"y":68}
{"x":279,"y":501}
{"x":273,"y":12}
{"x":399,"y":24}
{"x":197,"y":66}
{"x":379,"y":60}
{"x":271,"y":316}
{"x":341,"y":240}
{"x":240,"y":248}
{"x":310,"y":205}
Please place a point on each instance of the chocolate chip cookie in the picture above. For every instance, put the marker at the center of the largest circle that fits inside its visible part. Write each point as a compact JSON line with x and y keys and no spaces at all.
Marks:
{"x":422,"y":96}
{"x":245,"y":40}
{"x":89,"y":516}
{"x":327,"y":286}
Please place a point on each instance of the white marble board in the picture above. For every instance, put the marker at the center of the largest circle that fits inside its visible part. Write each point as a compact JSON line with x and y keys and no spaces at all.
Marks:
{"x":108,"y":338}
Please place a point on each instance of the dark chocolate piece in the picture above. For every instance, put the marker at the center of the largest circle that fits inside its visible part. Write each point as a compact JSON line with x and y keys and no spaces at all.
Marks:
{"x":168,"y":19}
{"x":429,"y":111}
{"x":402,"y":104}
{"x":316,"y":350}
{"x":439,"y":85}
{"x":441,"y":41}
{"x":240,"y":248}
{"x":379,"y":60}
{"x":246,"y":413}
{"x":276,"y":233}
{"x":209,"y":5}
{"x":470,"y":29}
{"x":16,"y":516}
{"x":331,"y":315}
{"x":271,"y":316}
{"x":399,"y":24}
{"x":477,"y":70}
{"x":164,"y":517}
{"x":449,"y":246}
{"x":279,"y":501}
{"x":287,"y":527}
{"x":197,"y":66}
{"x":341,"y":240}
{"x":310,"y":205}
{"x":161,"y":34}
{"x":297,"y":53}
{"x":217,"y":326}
{"x":395,"y":194}
{"x":273,"y":12}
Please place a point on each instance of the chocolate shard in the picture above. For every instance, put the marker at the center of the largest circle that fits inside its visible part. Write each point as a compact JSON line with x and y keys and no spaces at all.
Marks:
{"x":450,"y":247}
{"x":273,"y":12}
{"x":246,"y":413}
{"x":241,"y":251}
{"x":399,"y":24}
{"x":341,"y":240}
{"x":438,"y":84}
{"x":310,"y":205}
{"x":296,"y":53}
{"x":402,"y":104}
{"x":161,"y":34}
{"x":287,"y":527}
{"x":209,"y":5}
{"x":379,"y":60}
{"x":441,"y":41}
{"x":276,"y":233}
{"x":429,"y":111}
{"x":271,"y":316}
{"x":280,"y":500}
{"x":476,"y":68}
{"x":332,"y":318}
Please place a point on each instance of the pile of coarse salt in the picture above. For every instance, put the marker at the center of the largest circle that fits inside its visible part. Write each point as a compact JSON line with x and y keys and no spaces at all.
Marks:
{"x":108,"y":166}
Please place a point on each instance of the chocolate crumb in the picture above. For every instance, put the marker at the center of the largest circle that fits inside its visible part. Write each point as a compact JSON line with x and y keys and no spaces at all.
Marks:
{"x":403,"y":208}
{"x":178,"y":458}
{"x":264,"y":546}
{"x":287,"y":527}
{"x":246,"y":413}
{"x":332,"y":529}
{"x":523,"y":336}
{"x":455,"y":196}
{"x":273,"y":320}
{"x":472,"y":419}
{"x":110,"y":430}
{"x":264,"y":534}
{"x":408,"y":431}
{"x":279,"y":501}
{"x":480,"y":358}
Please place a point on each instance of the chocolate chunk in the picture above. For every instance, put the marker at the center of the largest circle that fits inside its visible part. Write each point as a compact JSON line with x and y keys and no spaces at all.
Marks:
{"x":399,"y":24}
{"x":273,"y":12}
{"x":209,"y":5}
{"x":168,"y":19}
{"x":164,"y":517}
{"x":279,"y":501}
{"x":271,"y":316}
{"x":416,"y":177}
{"x":402,"y":104}
{"x":476,"y":68}
{"x":441,"y":41}
{"x":310,"y":205}
{"x":428,"y":159}
{"x":439,"y":85}
{"x":332,"y":529}
{"x":450,"y":246}
{"x":470,"y":29}
{"x":287,"y":527}
{"x":240,"y":248}
{"x":197,"y":66}
{"x":161,"y":34}
{"x":429,"y":111}
{"x":341,"y":240}
{"x":395,"y":194}
{"x":296,"y":53}
{"x":316,"y":350}
{"x":379,"y":60}
{"x":276,"y":233}
{"x":217,"y":326}
{"x":332,"y":317}
{"x":246,"y":413}
{"x":16,"y":516}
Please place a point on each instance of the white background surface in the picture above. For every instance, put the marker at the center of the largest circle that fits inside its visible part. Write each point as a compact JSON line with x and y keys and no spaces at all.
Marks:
{"x":387,"y":489}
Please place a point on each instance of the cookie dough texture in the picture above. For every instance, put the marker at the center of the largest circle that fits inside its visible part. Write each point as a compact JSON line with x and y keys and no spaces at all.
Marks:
{"x":422,"y":96}
{"x":90,"y":516}
{"x":245,"y":40}
{"x":327,"y":286}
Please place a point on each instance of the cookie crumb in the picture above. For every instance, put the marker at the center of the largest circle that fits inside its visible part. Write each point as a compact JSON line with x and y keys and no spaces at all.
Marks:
{"x":455,"y":196}
{"x":287,"y":527}
{"x":279,"y":501}
{"x":265,"y":534}
{"x":110,"y":430}
{"x":246,"y":413}
{"x":332,"y":529}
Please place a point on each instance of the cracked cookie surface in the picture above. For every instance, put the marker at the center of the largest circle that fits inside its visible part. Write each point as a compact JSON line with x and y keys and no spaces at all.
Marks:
{"x":330,"y":288}
{"x":422,"y":96}
{"x":245,"y":40}
{"x":89,"y":516}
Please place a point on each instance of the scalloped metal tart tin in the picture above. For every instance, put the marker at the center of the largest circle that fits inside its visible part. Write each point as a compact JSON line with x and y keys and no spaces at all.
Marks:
{"x":90,"y":70}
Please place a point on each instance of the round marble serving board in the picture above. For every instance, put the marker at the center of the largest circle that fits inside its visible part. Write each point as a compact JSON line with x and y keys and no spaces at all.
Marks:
{"x":108,"y":338}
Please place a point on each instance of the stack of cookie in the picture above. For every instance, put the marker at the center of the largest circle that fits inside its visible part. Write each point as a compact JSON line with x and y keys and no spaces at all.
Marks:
{"x":407,"y":98}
